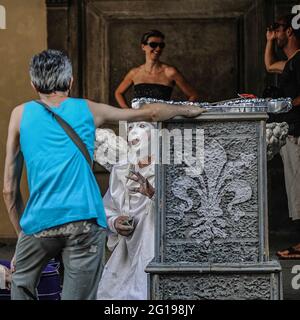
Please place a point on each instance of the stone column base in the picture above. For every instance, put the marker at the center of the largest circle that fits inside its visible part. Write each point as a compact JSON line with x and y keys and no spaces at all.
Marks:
{"x":260,"y":281}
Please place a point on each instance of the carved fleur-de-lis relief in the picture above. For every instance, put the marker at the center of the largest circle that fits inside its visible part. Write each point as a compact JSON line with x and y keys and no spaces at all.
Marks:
{"x":217,"y":179}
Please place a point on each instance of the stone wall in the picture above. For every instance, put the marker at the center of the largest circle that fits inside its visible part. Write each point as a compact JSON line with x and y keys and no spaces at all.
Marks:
{"x":25,"y":34}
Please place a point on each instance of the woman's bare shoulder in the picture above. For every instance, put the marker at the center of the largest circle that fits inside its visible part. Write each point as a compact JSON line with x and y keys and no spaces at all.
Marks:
{"x":134,"y":71}
{"x":169,"y":70}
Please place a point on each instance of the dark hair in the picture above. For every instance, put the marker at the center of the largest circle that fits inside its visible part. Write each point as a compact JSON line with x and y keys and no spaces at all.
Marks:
{"x":51,"y":71}
{"x":287,"y":20}
{"x":151,"y":33}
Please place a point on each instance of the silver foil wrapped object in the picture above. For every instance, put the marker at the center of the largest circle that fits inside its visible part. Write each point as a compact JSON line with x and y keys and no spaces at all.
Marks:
{"x":233,"y":106}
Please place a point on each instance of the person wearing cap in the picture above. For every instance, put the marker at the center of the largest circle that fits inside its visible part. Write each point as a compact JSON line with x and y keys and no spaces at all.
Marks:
{"x":287,"y":38}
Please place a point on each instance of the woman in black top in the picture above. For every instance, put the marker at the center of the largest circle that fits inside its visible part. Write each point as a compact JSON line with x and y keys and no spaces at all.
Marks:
{"x":153,"y":79}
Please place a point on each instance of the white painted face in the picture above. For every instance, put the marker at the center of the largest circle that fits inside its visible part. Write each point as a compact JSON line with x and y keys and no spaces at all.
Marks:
{"x":139,"y":140}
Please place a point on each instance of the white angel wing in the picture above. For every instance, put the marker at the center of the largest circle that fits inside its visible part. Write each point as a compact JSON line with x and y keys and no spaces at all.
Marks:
{"x":276,"y":134}
{"x":110,"y":149}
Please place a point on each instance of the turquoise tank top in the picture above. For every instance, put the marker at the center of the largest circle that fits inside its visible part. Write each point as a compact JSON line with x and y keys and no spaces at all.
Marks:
{"x":61,"y":183}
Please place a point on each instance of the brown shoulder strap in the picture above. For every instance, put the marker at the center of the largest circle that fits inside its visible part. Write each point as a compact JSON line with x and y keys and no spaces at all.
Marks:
{"x":70,"y":132}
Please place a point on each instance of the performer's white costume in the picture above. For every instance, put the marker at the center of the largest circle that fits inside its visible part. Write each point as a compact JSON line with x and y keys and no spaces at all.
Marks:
{"x":124,"y":276}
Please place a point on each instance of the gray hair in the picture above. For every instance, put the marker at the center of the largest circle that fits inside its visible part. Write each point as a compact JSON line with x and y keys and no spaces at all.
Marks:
{"x":50,"y":71}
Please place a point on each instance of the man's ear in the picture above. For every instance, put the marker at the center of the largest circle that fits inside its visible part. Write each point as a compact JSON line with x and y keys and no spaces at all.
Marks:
{"x":71,"y":83}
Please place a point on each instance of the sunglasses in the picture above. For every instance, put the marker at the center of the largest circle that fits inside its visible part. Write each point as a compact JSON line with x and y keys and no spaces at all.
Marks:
{"x":154,"y":45}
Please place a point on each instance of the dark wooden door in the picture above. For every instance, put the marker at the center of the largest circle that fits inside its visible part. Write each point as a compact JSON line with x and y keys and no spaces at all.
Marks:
{"x":216,"y":44}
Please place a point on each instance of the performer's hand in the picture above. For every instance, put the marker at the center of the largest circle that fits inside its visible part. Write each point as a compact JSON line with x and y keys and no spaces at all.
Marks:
{"x":122,"y":226}
{"x":145,"y":187}
{"x":270,"y":35}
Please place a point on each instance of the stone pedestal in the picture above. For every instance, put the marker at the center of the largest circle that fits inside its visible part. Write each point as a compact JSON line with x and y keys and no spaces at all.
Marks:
{"x":211,"y":214}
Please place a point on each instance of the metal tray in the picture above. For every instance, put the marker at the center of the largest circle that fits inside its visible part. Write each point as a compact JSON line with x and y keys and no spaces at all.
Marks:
{"x":233,"y":106}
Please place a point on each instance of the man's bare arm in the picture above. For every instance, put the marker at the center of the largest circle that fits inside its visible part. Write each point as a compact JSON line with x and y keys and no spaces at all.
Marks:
{"x":13,"y":170}
{"x":104,"y":113}
{"x":272,"y":65}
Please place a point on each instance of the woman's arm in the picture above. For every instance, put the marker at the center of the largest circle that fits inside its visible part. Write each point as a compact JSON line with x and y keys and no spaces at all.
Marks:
{"x":183,"y":85}
{"x":122,"y":88}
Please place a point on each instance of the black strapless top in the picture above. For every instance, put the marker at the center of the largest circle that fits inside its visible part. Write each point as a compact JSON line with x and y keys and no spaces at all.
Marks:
{"x":152,"y":90}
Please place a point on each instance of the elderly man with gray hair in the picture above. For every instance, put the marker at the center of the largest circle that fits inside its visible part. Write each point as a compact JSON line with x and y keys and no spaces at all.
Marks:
{"x":64,"y":214}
